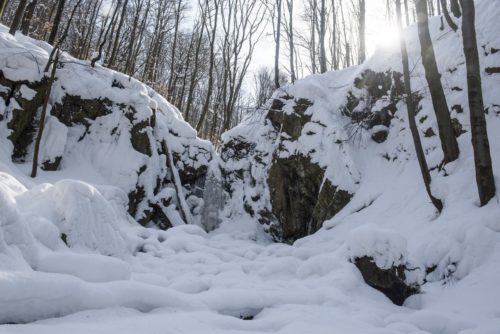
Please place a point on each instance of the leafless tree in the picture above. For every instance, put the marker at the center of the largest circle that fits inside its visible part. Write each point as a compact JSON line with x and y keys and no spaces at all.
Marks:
{"x":412,"y":110}
{"x":448,"y":141}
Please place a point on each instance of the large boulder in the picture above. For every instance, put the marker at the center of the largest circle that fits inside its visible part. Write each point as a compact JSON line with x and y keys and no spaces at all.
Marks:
{"x":390,"y":281}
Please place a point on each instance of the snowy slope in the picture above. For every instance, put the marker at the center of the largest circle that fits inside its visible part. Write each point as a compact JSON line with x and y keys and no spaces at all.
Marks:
{"x":121,"y":277}
{"x":104,"y":128}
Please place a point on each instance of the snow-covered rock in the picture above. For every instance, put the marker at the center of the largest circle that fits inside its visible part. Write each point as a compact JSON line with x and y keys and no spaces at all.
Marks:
{"x":102,"y":123}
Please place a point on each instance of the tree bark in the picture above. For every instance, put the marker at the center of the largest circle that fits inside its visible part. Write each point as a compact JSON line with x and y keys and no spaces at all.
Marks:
{"x":322,"y":35}
{"x":118,"y":31}
{"x":3,"y":4}
{"x":455,"y":8}
{"x":194,"y":73}
{"x":57,"y":21}
{"x":291,"y":43}
{"x":17,"y":17}
{"x":447,"y":16}
{"x":480,"y":143}
{"x":41,"y":126}
{"x":361,"y":32}
{"x":174,"y":46}
{"x":28,"y":15}
{"x":208,"y":97}
{"x":411,"y":106}
{"x":277,"y":46}
{"x":448,"y":141}
{"x":101,"y":45}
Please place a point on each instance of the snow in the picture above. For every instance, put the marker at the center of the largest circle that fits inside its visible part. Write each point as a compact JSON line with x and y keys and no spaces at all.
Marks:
{"x":88,"y":267}
{"x":386,"y":247}
{"x":72,"y":260}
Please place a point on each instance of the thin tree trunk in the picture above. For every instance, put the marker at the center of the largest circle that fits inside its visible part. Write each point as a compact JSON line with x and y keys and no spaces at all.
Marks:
{"x":174,"y":46}
{"x":57,"y":21}
{"x":28,"y":15}
{"x":312,"y":51}
{"x":407,"y":13}
{"x":111,"y":35}
{"x":482,"y":158}
{"x":3,"y":4}
{"x":410,"y":103}
{"x":141,"y":37}
{"x":132,"y":38}
{"x":183,"y":207}
{"x":206,"y":104}
{"x":41,"y":126}
{"x":118,"y":31}
{"x":322,"y":35}
{"x":455,"y":8}
{"x":277,"y":46}
{"x":334,"y":38}
{"x":291,"y":41}
{"x":448,"y":141}
{"x":17,"y":17}
{"x":101,"y":45}
{"x":194,"y":74}
{"x":447,"y":16}
{"x":361,"y":32}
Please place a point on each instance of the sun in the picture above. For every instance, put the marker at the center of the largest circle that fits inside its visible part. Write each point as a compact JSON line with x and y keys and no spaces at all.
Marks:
{"x":385,"y":37}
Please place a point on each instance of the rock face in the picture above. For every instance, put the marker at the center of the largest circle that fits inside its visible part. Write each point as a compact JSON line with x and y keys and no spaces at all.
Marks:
{"x":294,"y":161}
{"x":286,"y":191}
{"x":120,"y":127}
{"x":391,"y":282}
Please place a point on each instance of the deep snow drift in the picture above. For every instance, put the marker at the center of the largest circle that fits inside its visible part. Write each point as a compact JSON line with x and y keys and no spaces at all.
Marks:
{"x":118,"y":276}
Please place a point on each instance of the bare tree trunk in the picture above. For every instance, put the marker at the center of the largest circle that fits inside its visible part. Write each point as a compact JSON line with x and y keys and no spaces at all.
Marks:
{"x":101,"y":45}
{"x":410,"y":103}
{"x":208,"y":97}
{"x":174,"y":46}
{"x":361,"y":32}
{"x":90,"y":32}
{"x":322,"y":35}
{"x":314,"y":24}
{"x":17,"y":17}
{"x":28,"y":15}
{"x":277,"y":39}
{"x":183,"y":207}
{"x":446,"y":134}
{"x":291,"y":44}
{"x":57,"y":21}
{"x":3,"y":4}
{"x":132,"y":40}
{"x":407,"y":13}
{"x":41,"y":126}
{"x":447,"y":16}
{"x":118,"y":31}
{"x":194,"y":74}
{"x":141,"y":37}
{"x":455,"y":8}
{"x":482,"y":158}
{"x":111,"y":34}
{"x":334,"y":38}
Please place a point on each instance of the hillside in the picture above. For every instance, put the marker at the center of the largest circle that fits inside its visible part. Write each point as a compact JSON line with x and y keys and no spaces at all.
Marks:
{"x":134,"y":224}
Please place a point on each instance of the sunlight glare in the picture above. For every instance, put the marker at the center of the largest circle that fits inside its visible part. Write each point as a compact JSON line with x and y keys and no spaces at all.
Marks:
{"x":386,"y":38}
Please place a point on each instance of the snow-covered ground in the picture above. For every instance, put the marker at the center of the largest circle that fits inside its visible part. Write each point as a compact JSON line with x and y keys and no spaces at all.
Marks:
{"x":119,"y":277}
